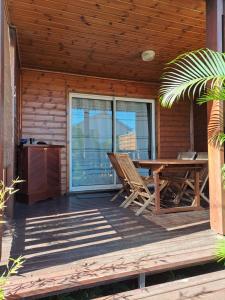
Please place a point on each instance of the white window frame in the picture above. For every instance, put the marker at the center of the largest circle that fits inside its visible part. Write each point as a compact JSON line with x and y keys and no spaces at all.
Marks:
{"x":114,"y":99}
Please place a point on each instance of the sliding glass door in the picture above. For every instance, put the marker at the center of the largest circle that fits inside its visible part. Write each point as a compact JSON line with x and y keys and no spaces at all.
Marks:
{"x":101,"y":124}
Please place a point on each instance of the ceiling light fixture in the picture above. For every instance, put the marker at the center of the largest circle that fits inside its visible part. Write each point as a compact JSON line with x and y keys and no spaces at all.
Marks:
{"x":148,"y":55}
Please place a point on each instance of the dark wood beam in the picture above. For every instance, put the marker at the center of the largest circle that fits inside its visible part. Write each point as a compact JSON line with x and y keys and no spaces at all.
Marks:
{"x":1,"y":85}
{"x":214,"y":25}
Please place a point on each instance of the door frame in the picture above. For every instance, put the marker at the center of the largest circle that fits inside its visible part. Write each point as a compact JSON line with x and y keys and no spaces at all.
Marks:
{"x":113,"y":99}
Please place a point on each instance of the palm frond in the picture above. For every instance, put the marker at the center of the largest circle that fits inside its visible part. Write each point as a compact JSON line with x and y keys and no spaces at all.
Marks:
{"x":212,"y":95}
{"x":221,"y":138}
{"x":190,"y":73}
{"x":223,"y":176}
{"x":220,"y":251}
{"x":215,"y":124}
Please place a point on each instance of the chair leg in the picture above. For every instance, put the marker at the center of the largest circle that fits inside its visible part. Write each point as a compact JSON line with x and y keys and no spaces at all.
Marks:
{"x":130,"y":200}
{"x":202,"y":189}
{"x":203,"y":196}
{"x":131,"y":197}
{"x":147,"y":202}
{"x":117,"y":194}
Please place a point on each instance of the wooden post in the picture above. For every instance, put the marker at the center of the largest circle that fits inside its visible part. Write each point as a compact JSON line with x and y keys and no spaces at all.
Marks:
{"x":1,"y":86}
{"x":141,"y":281}
{"x":192,"y":132}
{"x":1,"y":107}
{"x":214,"y":24}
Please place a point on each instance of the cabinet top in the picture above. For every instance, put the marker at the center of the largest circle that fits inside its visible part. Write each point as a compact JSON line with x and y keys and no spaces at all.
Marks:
{"x":41,"y":146}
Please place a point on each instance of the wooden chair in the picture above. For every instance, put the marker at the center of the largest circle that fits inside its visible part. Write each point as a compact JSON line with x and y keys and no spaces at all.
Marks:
{"x":203,"y":177}
{"x":186,"y":155}
{"x":141,"y":195}
{"x":121,"y":175}
{"x":190,"y":155}
{"x":187,"y":188}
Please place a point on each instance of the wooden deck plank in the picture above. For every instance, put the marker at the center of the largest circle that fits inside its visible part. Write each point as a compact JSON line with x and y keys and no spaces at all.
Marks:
{"x":207,"y":286}
{"x":86,"y":240}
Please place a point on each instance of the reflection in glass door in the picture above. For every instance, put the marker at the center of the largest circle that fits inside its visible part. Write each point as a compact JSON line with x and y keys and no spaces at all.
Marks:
{"x":134,"y":129}
{"x":101,"y":124}
{"x":91,"y":139}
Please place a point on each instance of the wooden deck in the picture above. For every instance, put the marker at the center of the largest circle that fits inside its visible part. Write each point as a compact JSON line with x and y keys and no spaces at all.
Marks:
{"x":85,"y":240}
{"x":205,"y":287}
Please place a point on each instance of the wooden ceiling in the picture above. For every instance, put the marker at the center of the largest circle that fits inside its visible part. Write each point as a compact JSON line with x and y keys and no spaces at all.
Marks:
{"x":105,"y":38}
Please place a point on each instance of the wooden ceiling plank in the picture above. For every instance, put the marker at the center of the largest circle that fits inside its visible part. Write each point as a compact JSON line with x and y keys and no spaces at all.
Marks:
{"x":100,"y":72}
{"x":167,"y":36}
{"x":137,"y":6}
{"x":133,"y":40}
{"x":74,"y":59}
{"x":134,"y":26}
{"x":103,"y":49}
{"x":94,"y":24}
{"x":118,"y":15}
{"x":105,"y":37}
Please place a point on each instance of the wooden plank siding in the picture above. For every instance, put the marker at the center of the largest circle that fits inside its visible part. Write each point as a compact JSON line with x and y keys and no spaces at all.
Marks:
{"x":200,"y":128}
{"x":45,"y":105}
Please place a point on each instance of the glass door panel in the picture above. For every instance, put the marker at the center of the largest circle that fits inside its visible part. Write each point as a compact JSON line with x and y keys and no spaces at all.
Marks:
{"x":101,"y":124}
{"x":91,"y":139}
{"x":134,"y":129}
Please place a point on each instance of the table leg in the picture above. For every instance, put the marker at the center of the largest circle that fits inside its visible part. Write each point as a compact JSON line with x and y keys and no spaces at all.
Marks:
{"x":197,"y":190}
{"x":157,"y":192}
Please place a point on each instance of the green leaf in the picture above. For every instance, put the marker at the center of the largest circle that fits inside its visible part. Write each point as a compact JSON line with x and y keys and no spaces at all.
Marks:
{"x":220,"y":251}
{"x":190,"y":73}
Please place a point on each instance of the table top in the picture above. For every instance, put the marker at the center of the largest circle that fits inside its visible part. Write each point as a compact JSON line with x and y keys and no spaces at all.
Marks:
{"x":40,"y":146}
{"x":167,"y":162}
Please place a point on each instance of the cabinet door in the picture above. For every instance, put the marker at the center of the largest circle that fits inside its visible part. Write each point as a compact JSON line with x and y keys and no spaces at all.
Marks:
{"x":53,"y":172}
{"x":36,"y":171}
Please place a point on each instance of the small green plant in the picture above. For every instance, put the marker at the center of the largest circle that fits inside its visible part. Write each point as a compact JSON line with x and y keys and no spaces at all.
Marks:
{"x":220,"y":251}
{"x":6,"y":192}
{"x":14,"y":264}
{"x":12,"y":268}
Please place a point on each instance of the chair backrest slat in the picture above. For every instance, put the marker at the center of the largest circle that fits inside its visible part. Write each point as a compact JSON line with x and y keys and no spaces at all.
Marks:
{"x":186,"y":155}
{"x":116,"y":165}
{"x":130,"y":170}
{"x":202,"y":156}
{"x":204,"y":172}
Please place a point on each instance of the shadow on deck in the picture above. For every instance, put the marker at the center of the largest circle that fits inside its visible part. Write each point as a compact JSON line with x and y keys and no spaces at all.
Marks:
{"x":86,"y":225}
{"x":86,"y":239}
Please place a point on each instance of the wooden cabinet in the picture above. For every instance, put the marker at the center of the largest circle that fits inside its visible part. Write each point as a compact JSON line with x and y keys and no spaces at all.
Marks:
{"x":39,"y":166}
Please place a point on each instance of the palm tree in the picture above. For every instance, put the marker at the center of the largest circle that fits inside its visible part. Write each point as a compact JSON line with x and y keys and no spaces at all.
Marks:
{"x":191,"y":72}
{"x":198,"y":75}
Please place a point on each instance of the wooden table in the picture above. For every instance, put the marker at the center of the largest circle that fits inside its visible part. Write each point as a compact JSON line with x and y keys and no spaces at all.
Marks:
{"x":173,"y":165}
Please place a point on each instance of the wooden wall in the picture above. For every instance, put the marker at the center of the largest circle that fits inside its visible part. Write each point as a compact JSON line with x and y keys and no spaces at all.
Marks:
{"x":200,"y":128}
{"x":174,"y":130}
{"x":45,"y":104}
{"x":10,"y":103}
